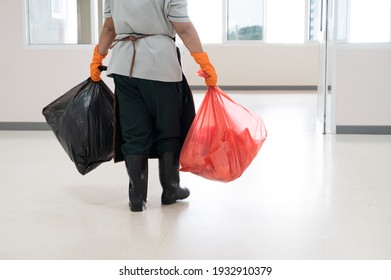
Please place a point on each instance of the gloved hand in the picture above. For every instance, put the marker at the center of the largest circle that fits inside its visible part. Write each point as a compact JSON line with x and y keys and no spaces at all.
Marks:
{"x":203,"y":60}
{"x":96,"y":62}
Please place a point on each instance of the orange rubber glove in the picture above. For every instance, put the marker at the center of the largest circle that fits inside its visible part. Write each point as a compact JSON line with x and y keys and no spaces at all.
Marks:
{"x":97,"y":59}
{"x":203,"y":60}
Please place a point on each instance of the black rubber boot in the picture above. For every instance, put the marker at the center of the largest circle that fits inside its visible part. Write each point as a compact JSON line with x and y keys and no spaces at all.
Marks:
{"x":169,"y":178}
{"x":137,"y":167}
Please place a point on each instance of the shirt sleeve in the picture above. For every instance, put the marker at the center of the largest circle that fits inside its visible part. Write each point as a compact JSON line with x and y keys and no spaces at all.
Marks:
{"x":107,"y":9}
{"x":177,"y":11}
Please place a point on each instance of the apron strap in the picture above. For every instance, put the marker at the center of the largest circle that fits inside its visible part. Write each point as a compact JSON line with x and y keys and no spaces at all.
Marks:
{"x":133,"y":39}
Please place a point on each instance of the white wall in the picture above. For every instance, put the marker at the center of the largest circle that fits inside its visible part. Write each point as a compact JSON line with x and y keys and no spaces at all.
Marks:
{"x":31,"y":77}
{"x":260,"y":65}
{"x":363,"y":85}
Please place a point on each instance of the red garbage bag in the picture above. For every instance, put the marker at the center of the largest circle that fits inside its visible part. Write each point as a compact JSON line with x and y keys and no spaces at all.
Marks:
{"x":223,"y":140}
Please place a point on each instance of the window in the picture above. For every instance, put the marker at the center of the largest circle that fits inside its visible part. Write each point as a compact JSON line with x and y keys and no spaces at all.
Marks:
{"x":245,"y":21}
{"x":274,"y":21}
{"x":285,"y":21}
{"x":52,"y":22}
{"x":369,"y":21}
{"x":314,"y":19}
{"x":218,"y":21}
{"x":342,"y":19}
{"x":297,"y":21}
{"x":62,"y":21}
{"x":207,"y":17}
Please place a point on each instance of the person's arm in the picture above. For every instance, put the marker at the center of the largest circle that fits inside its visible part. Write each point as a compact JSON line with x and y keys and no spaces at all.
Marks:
{"x":107,"y":36}
{"x":106,"y":39}
{"x":189,"y":36}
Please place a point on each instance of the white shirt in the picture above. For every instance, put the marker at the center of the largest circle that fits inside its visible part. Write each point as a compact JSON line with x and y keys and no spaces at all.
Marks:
{"x":156,"y":57}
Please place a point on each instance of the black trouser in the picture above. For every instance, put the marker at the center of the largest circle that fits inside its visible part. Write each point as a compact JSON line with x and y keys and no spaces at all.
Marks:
{"x":150,"y":113}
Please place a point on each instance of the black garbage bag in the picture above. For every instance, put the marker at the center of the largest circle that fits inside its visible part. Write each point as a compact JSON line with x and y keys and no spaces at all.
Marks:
{"x":83,"y":121}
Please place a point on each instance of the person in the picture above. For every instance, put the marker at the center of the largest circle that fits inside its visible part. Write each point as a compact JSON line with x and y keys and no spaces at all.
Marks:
{"x":148,"y":86}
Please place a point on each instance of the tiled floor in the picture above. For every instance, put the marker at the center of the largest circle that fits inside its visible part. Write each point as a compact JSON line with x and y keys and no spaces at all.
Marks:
{"x":305,"y":196}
